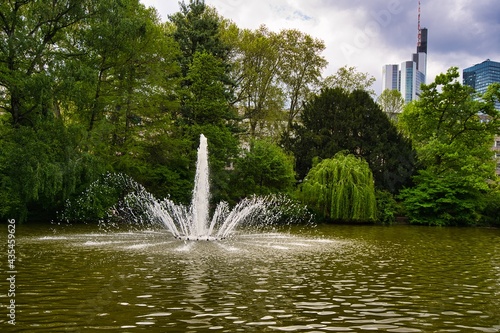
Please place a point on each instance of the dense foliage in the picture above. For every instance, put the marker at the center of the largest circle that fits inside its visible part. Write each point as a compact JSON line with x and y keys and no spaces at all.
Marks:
{"x":93,"y":88}
{"x":263,"y":169}
{"x":341,"y":188}
{"x":453,"y":134}
{"x":338,"y":120}
{"x":392,"y":103}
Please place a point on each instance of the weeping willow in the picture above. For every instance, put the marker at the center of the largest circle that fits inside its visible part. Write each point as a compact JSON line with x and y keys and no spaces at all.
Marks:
{"x":341,"y":188}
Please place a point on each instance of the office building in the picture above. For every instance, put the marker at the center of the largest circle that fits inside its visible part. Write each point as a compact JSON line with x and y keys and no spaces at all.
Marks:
{"x":411,"y":74}
{"x":390,"y":77}
{"x":479,"y":77}
{"x":408,"y":74}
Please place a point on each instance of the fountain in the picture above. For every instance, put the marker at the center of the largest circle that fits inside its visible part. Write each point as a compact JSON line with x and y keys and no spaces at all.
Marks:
{"x":193,"y":222}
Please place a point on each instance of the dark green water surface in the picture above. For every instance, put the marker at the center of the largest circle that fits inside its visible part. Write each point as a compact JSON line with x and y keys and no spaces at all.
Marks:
{"x":332,"y":279}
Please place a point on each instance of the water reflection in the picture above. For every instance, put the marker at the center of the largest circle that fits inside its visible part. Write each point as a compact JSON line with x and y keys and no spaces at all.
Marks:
{"x":340,"y":279}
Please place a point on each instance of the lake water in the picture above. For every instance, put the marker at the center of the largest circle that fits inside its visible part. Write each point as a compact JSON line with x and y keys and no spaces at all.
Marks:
{"x":329,"y":279}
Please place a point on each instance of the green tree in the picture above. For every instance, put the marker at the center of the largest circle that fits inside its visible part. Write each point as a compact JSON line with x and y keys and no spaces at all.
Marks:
{"x":444,"y":200}
{"x":337,"y":120}
{"x":274,"y":70}
{"x":123,"y":87}
{"x":31,"y":33}
{"x":198,"y":29}
{"x":41,"y":168}
{"x":206,"y":88}
{"x":300,"y":70}
{"x":349,"y":79}
{"x":165,"y":165}
{"x":206,"y":110}
{"x":258,"y":95}
{"x":452,"y":132}
{"x":341,"y":188}
{"x":125,"y":68}
{"x":491,"y":212}
{"x":391,"y":102}
{"x":205,"y":100}
{"x":264,"y":169}
{"x":86,"y":87}
{"x":43,"y":161}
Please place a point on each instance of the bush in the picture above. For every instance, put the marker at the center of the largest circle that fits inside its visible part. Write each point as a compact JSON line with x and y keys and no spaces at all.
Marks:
{"x":388,"y":209}
{"x":264,"y":169}
{"x":491,"y":212}
{"x":443,"y":200}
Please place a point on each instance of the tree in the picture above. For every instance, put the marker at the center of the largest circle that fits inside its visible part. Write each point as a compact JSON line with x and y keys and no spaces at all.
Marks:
{"x":198,"y":30}
{"x":126,"y":68}
{"x":391,"y":102}
{"x":452,"y":132}
{"x":273,"y":70}
{"x":45,"y":157}
{"x":206,"y":85}
{"x":450,"y":128}
{"x":205,"y":110}
{"x":87,"y":87}
{"x":31,"y":33}
{"x":123,"y":88}
{"x":444,"y":200}
{"x":264,"y":169}
{"x":41,"y":168}
{"x":349,"y":79}
{"x":300,"y":70}
{"x":256,"y":65}
{"x":337,"y":120}
{"x":341,"y":188}
{"x":205,"y":101}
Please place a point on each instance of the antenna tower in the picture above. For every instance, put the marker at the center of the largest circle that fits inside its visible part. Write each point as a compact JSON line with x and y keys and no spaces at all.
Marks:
{"x":419,"y":35}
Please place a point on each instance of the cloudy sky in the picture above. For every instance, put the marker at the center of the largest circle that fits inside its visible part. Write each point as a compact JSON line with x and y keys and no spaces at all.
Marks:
{"x":370,"y":33}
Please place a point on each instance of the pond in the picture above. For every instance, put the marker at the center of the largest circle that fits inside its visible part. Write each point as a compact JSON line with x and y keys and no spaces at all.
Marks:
{"x":326,"y":279}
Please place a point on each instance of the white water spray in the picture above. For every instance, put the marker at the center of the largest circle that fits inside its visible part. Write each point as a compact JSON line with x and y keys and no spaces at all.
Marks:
{"x":201,"y":191}
{"x":193,"y":223}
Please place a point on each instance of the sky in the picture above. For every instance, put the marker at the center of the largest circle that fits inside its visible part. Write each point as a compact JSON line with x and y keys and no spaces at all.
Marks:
{"x":368,"y":34}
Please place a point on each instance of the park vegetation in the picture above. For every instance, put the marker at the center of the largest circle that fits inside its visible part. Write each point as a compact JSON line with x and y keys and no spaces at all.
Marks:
{"x":91,"y":88}
{"x":341,"y":189}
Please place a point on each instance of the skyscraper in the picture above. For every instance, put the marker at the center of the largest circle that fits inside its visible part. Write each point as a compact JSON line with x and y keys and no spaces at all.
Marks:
{"x":390,"y":77}
{"x":422,"y":43}
{"x":408,"y":86}
{"x":420,"y":59}
{"x":480,"y":76}
{"x":412,"y":73}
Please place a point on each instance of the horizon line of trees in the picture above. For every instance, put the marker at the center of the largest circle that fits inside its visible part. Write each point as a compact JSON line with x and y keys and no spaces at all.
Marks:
{"x":92,"y":87}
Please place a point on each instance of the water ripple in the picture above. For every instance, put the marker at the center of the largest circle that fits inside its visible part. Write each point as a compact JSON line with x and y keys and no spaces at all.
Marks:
{"x":360,"y":279}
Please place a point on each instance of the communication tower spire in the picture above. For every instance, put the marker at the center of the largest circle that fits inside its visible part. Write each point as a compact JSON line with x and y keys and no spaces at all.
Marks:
{"x":419,"y":35}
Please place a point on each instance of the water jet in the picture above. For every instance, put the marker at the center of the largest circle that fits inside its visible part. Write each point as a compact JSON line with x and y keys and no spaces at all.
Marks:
{"x":193,"y":223}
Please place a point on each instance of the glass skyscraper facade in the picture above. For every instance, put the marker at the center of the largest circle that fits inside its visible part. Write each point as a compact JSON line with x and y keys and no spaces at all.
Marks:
{"x":411,"y":74}
{"x":480,"y":76}
{"x":408,"y":80}
{"x":390,"y":77}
